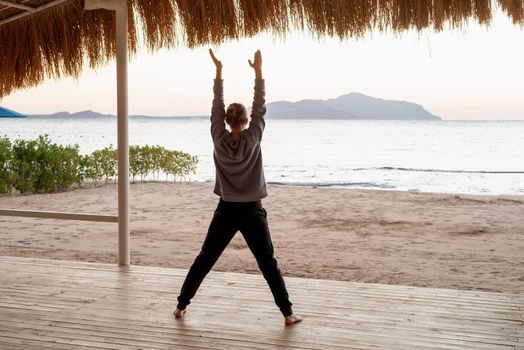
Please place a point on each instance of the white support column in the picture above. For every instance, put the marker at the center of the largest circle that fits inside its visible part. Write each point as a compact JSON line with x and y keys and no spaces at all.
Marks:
{"x":123,"y":135}
{"x":120,"y":8}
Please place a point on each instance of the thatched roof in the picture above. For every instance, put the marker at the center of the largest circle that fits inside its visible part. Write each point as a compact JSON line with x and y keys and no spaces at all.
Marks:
{"x":61,"y":39}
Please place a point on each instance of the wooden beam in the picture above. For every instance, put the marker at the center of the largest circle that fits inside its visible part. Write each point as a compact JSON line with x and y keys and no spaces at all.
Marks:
{"x":18,"y":6}
{"x":28,"y":13}
{"x":58,"y":215}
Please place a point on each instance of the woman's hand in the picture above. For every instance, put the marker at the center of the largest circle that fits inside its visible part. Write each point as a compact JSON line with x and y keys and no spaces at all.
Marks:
{"x":218,"y":65}
{"x":257,"y":64}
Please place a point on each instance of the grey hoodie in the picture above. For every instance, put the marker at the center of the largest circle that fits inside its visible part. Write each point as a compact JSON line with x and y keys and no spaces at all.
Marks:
{"x":239,"y":170}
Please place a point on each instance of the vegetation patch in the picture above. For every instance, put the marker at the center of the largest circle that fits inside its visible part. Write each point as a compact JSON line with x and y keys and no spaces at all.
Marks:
{"x":41,"y":166}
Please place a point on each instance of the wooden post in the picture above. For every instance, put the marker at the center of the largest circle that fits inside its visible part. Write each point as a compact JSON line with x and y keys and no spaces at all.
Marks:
{"x":123,"y":134}
{"x":120,"y":8}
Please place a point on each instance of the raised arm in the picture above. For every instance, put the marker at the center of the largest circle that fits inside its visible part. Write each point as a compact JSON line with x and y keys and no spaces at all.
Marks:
{"x":258,"y":110}
{"x":218,"y":65}
{"x":218,"y":112}
{"x":257,"y":65}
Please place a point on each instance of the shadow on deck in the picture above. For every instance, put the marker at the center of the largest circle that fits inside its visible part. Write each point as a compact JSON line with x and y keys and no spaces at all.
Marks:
{"x":49,"y":304}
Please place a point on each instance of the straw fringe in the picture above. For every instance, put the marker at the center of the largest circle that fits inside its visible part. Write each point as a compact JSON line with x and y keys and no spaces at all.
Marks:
{"x":514,"y":9}
{"x":63,"y":40}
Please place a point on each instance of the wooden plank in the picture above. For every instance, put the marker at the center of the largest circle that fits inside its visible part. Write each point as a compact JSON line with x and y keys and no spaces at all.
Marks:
{"x":58,"y":215}
{"x":470,"y":309}
{"x":423,"y":317}
{"x":138,"y":324}
{"x":368,"y":293}
{"x":96,"y":305}
{"x":410,"y":311}
{"x":442,"y":302}
{"x":355,"y":337}
{"x":393,"y":327}
{"x":159,"y":331}
{"x":314,"y":284}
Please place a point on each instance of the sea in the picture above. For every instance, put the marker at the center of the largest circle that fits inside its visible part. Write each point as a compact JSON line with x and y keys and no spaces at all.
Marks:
{"x":469,"y":157}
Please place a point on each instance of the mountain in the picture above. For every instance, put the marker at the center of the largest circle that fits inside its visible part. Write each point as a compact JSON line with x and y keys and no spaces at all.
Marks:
{"x":88,"y":114}
{"x":350,"y":106}
{"x":305,"y":109}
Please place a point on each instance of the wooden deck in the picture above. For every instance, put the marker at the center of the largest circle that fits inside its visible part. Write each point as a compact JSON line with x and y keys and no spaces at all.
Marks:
{"x":48,"y":304}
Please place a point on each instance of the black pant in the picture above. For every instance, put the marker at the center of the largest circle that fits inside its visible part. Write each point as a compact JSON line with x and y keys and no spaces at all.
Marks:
{"x":251,"y":219}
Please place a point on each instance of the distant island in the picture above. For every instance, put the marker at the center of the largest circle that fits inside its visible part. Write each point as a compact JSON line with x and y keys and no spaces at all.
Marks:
{"x":354,"y":106}
{"x":351,"y":106}
{"x":89,"y":114}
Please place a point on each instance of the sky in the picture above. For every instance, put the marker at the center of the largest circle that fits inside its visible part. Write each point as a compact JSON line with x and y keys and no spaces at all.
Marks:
{"x":471,"y":73}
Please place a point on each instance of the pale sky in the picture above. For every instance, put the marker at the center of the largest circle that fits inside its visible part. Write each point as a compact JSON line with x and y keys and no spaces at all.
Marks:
{"x":473,"y":73}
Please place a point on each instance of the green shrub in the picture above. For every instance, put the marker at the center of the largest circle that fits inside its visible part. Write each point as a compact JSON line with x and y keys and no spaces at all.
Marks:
{"x":25,"y":165}
{"x":6,"y":166}
{"x":40,"y":166}
{"x":85,"y":169}
{"x":65,"y":162}
{"x":154,"y":161}
{"x":109,"y":162}
{"x":134,"y":161}
{"x":157,"y":155}
{"x":179,"y":164}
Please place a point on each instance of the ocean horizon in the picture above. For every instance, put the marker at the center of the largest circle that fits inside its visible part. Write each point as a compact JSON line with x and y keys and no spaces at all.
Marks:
{"x":91,"y":115}
{"x":470,"y":157}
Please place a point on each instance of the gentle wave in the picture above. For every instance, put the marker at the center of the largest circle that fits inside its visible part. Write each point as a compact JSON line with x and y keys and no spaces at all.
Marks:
{"x":332,"y":184}
{"x":441,"y":170}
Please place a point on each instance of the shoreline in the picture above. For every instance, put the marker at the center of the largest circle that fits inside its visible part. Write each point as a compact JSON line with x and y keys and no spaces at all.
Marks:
{"x":439,"y":240}
{"x":89,"y":185}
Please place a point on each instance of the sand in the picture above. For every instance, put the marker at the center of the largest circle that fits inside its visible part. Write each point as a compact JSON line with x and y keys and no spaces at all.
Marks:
{"x":409,"y":238}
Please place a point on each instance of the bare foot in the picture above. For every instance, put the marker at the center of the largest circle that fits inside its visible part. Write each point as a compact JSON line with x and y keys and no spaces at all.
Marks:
{"x":291,"y":319}
{"x":179,"y":313}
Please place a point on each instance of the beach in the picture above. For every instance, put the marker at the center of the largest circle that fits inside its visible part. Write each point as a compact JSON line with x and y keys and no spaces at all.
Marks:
{"x":439,"y":240}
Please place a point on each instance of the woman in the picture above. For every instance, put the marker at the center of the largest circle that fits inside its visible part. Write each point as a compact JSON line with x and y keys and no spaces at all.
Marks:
{"x":240,"y":184}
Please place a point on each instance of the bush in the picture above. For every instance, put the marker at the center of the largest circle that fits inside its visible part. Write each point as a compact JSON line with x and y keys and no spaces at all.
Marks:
{"x":6,"y":166}
{"x":104,"y":164}
{"x":178,"y":163}
{"x":85,"y":169}
{"x":152,"y":161}
{"x":24,"y":165}
{"x":65,"y":162}
{"x":40,"y":166}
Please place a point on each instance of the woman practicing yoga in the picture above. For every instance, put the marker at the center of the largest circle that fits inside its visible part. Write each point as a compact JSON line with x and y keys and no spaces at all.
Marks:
{"x":241,"y":185}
